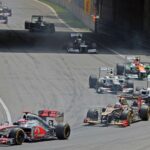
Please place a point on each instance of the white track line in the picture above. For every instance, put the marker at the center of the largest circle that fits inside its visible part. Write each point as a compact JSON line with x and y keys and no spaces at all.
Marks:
{"x":54,"y":12}
{"x":7,"y":111}
{"x":115,"y":52}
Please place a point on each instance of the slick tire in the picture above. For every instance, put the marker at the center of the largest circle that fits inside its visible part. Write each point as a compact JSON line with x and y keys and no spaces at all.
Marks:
{"x":92,"y":81}
{"x":18,"y":135}
{"x":126,"y":115}
{"x":63,"y":131}
{"x":120,"y":69}
{"x":92,"y":114}
{"x":144,"y":113}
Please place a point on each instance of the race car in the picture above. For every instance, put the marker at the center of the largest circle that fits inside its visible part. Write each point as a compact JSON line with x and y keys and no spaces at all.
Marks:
{"x":4,"y":10}
{"x":3,"y":19}
{"x":144,"y":93}
{"x":79,"y":45}
{"x":123,"y":113}
{"x":110,"y":83}
{"x":32,"y":127}
{"x":133,"y":68}
{"x":7,"y":11}
{"x":40,"y":24}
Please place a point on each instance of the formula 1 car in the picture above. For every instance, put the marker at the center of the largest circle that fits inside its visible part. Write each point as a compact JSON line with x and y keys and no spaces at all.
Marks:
{"x":144,"y":93}
{"x":3,"y":19}
{"x":133,"y":68}
{"x":123,"y":113}
{"x":32,"y":127}
{"x":110,"y":83}
{"x":39,"y":24}
{"x":79,"y":45}
{"x":4,"y":10}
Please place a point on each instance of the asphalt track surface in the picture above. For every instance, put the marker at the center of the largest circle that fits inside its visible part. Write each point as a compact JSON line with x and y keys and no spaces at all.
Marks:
{"x":36,"y":73}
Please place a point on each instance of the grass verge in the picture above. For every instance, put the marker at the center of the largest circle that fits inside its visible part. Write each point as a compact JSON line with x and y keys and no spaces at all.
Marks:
{"x":66,"y":15}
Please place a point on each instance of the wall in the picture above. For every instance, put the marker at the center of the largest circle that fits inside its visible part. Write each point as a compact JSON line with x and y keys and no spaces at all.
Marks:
{"x":147,"y":16}
{"x":122,"y":15}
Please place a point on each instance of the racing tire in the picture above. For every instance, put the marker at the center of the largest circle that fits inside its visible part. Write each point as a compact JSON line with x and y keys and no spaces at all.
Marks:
{"x":120,"y":69}
{"x":98,"y":87}
{"x":63,"y":131}
{"x":18,"y":135}
{"x":144,"y":113}
{"x":99,"y":90}
{"x":93,"y":115}
{"x":92,"y":81}
{"x":126,"y":115}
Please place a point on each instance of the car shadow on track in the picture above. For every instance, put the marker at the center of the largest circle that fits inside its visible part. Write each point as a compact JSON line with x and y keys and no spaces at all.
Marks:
{"x":22,"y":41}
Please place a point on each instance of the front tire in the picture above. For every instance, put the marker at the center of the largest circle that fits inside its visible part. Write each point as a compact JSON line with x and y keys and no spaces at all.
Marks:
{"x":126,"y":115}
{"x":18,"y":135}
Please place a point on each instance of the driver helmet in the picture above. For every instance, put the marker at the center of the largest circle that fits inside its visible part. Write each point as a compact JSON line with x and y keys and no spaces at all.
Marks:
{"x":117,"y":105}
{"x":121,"y":100}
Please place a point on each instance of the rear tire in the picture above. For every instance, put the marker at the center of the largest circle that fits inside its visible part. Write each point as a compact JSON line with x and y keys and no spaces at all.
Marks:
{"x":144,"y":113}
{"x":120,"y":69}
{"x":92,"y":81}
{"x":93,"y":115}
{"x":63,"y":131}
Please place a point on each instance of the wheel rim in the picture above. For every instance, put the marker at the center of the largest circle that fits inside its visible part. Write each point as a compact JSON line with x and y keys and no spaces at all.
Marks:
{"x":19,"y":137}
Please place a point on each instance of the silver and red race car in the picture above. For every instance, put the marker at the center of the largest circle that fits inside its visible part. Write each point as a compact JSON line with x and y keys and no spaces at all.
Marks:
{"x":48,"y":124}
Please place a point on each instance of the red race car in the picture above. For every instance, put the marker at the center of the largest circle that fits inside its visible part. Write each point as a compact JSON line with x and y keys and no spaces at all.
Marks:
{"x":48,"y":124}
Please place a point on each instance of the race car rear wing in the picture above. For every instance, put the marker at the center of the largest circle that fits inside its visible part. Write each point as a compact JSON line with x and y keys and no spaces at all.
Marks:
{"x":58,"y":116}
{"x":130,"y":58}
{"x":72,"y":35}
{"x":105,"y":69}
